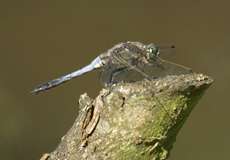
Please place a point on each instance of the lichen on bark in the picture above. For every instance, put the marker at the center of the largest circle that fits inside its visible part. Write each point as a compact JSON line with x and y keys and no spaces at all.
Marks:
{"x":132,"y":120}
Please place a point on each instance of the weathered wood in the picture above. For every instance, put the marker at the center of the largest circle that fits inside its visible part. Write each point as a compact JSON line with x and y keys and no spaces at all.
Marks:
{"x":132,"y":120}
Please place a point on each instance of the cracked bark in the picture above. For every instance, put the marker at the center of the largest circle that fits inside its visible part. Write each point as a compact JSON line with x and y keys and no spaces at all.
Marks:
{"x":132,"y":120}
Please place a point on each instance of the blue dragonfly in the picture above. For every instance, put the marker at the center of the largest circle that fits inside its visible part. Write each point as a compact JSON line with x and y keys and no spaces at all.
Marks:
{"x":124,"y":62}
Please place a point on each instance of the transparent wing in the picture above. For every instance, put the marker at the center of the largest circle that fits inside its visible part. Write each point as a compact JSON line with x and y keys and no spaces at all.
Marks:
{"x":127,"y":67}
{"x":124,"y":66}
{"x":161,"y":68}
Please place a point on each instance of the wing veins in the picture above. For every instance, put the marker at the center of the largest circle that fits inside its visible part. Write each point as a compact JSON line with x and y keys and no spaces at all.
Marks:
{"x":130,"y":66}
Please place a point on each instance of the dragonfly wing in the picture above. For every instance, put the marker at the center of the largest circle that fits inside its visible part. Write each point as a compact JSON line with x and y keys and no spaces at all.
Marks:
{"x":162,"y":68}
{"x":131,"y":72}
{"x":122,"y":67}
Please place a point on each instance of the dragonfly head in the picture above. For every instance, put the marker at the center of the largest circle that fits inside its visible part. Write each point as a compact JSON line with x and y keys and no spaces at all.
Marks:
{"x":153,"y":51}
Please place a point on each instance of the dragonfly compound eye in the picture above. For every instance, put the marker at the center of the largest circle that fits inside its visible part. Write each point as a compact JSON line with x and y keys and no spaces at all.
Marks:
{"x":152,"y":51}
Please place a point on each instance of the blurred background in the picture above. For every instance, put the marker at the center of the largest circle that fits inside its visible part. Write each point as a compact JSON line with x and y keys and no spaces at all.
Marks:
{"x":41,"y":40}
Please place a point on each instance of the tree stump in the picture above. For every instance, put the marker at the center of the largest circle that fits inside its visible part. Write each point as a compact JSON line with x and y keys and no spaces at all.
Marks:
{"x":135,"y":121}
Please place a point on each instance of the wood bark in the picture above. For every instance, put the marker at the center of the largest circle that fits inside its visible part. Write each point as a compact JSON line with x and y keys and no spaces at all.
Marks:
{"x":132,"y":120}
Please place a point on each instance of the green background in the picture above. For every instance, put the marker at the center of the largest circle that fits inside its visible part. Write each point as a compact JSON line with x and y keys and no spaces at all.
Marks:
{"x":41,"y":40}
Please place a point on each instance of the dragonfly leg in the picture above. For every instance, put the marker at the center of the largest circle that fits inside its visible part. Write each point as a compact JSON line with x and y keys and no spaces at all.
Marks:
{"x":113,"y":74}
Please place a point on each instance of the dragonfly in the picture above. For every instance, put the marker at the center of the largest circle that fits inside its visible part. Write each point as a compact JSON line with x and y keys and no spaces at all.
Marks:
{"x":124,"y":62}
